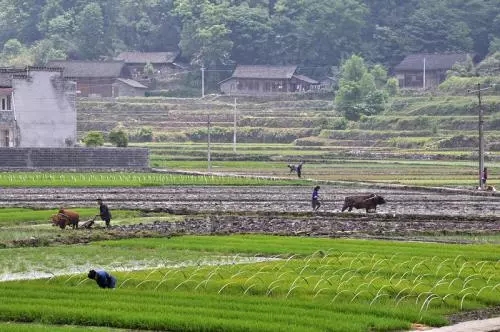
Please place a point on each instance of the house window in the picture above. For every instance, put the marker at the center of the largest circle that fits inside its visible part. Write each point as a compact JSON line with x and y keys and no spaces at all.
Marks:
{"x":5,"y":103}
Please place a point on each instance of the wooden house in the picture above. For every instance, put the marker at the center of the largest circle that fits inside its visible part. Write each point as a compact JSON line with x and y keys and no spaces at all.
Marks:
{"x":266,"y":80}
{"x":162,"y":62}
{"x":93,"y":78}
{"x":425,"y":71}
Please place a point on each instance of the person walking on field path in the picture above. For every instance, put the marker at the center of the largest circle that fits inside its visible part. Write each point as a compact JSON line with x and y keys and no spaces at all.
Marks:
{"x":315,"y":199}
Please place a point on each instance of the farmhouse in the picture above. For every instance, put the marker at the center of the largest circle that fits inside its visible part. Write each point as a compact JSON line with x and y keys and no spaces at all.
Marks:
{"x":425,"y":71}
{"x":93,"y":78}
{"x":37,"y":108}
{"x":162,"y":62}
{"x":266,"y":80}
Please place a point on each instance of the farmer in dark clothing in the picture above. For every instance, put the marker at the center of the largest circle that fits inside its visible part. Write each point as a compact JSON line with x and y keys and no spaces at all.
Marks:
{"x":484,"y":176}
{"x":315,"y":199}
{"x":103,"y":278}
{"x":104,"y":212}
{"x":299,"y":169}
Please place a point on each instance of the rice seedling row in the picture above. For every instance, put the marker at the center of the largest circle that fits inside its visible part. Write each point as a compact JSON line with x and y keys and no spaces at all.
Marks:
{"x":352,"y":286}
{"x":120,"y":179}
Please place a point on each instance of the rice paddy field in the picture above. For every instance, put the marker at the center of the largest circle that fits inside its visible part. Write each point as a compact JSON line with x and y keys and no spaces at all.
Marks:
{"x":174,"y":276}
{"x":229,"y":243}
{"x":306,"y":284}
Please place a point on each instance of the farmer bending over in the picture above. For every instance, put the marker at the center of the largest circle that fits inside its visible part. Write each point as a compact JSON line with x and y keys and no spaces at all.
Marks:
{"x":103,"y":278}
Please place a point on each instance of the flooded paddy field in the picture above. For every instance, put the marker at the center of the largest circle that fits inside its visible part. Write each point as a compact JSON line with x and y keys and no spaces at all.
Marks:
{"x":283,"y":209}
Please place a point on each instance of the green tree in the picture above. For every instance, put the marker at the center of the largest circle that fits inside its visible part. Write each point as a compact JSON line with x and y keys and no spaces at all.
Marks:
{"x":358,"y":93}
{"x":392,"y":86}
{"x":45,"y":50}
{"x":89,"y":31}
{"x":490,"y":66}
{"x":205,"y":35}
{"x":463,"y":69}
{"x":494,"y":45}
{"x":118,"y":138}
{"x":435,"y":27}
{"x":93,"y":139}
{"x":15,"y":54}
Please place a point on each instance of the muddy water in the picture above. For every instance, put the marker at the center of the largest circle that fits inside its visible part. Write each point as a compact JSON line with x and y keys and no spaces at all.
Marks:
{"x":39,"y":272}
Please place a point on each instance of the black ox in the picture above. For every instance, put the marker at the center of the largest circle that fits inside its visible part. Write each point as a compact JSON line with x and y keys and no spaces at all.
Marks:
{"x":368,"y":202}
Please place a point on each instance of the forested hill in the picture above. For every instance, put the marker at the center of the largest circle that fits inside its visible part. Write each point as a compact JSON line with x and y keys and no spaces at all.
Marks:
{"x":310,"y":33}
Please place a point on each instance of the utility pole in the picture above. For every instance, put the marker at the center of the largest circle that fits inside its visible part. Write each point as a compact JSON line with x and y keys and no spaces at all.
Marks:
{"x":480,"y":131}
{"x":202,"y":82}
{"x":234,"y":127}
{"x":208,"y":138}
{"x":423,"y":84}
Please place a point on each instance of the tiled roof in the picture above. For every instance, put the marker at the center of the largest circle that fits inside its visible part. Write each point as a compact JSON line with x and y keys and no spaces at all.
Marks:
{"x":432,"y":61}
{"x":132,"y":83}
{"x":306,"y":79}
{"x":6,"y":91}
{"x":264,"y":72}
{"x":145,"y":57}
{"x":88,"y":69}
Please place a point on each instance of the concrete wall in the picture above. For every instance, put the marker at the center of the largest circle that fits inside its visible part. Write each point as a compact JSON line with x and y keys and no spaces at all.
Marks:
{"x":45,"y":109}
{"x":94,"y":158}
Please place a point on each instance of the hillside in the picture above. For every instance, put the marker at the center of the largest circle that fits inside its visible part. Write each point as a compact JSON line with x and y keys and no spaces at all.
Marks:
{"x":444,"y":124}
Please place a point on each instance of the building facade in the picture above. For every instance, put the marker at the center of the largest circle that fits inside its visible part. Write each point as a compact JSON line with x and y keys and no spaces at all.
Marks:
{"x":425,"y":71}
{"x":37,"y":108}
{"x":93,"y":78}
{"x":266,"y":81}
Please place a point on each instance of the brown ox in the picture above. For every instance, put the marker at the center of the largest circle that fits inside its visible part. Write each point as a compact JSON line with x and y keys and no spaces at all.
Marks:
{"x":66,"y":217}
{"x":368,"y":202}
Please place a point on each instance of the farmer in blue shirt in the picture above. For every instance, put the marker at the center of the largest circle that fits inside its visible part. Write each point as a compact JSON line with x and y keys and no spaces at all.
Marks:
{"x":103,"y":278}
{"x":315,"y":199}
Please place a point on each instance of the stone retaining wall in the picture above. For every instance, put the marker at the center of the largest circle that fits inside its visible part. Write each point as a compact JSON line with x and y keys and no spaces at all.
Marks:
{"x":89,"y":158}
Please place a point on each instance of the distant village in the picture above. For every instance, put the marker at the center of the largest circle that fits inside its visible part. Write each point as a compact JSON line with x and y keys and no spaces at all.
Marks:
{"x":38,"y":104}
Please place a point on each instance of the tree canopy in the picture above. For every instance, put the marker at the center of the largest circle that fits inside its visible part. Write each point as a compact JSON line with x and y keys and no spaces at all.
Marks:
{"x":310,"y":33}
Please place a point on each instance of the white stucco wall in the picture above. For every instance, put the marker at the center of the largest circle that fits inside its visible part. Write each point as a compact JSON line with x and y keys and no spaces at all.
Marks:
{"x":45,"y":109}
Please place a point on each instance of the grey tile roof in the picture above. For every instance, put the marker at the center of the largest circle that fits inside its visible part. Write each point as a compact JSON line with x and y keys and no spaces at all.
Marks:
{"x":306,"y":79}
{"x":132,"y":83}
{"x":145,"y":57}
{"x":264,"y":72}
{"x":88,"y":69}
{"x":443,"y":61}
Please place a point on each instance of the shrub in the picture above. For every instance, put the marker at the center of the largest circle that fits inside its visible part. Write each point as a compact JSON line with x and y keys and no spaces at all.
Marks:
{"x":93,"y":138}
{"x":144,"y":134}
{"x":339,"y":124}
{"x":118,"y":138}
{"x":459,"y":141}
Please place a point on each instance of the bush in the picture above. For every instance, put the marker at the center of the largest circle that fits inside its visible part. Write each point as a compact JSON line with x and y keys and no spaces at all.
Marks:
{"x":118,"y":138}
{"x":144,"y":134}
{"x":339,"y":124}
{"x":93,"y":139}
